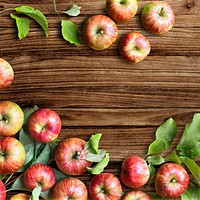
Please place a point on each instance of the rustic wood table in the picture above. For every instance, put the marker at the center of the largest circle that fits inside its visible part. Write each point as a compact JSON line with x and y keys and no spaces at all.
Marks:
{"x":98,"y":91}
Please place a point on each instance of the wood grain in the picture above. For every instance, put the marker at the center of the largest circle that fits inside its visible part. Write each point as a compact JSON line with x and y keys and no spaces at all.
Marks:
{"x":97,"y":91}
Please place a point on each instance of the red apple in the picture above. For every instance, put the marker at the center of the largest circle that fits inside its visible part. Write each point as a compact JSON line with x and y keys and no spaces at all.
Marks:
{"x":12,"y":155}
{"x":158,"y":17}
{"x":171,"y":180}
{"x":105,"y":186}
{"x":121,"y":10}
{"x":135,"y":172}
{"x":134,"y":47}
{"x":136,"y":195}
{"x":70,"y":188}
{"x":20,"y":196}
{"x":2,"y":191}
{"x":70,"y":156}
{"x":99,"y":32}
{"x":11,"y":118}
{"x":6,"y":74}
{"x":44,"y":125}
{"x":39,"y":174}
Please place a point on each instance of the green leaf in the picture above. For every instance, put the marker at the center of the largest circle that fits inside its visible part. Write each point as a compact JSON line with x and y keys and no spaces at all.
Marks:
{"x":96,"y":157}
{"x":28,"y":112}
{"x":47,"y":195}
{"x":93,"y":144}
{"x":19,"y":184}
{"x":73,"y":11}
{"x":190,"y":140}
{"x":70,"y":32}
{"x":173,"y":158}
{"x":164,"y":137}
{"x":22,"y":26}
{"x":152,"y":173}
{"x":2,"y":176}
{"x":192,"y":166}
{"x":157,"y":146}
{"x":35,"y":14}
{"x":26,"y":140}
{"x":59,"y":175}
{"x":192,"y":193}
{"x":155,"y":160}
{"x":99,"y":167}
{"x":44,"y":156}
{"x":157,"y":197}
{"x":36,"y":193}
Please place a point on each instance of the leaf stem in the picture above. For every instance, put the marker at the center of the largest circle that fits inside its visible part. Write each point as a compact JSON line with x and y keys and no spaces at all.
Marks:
{"x":6,"y":10}
{"x":8,"y":179}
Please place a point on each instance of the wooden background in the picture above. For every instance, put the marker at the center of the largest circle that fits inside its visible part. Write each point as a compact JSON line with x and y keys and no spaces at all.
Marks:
{"x":99,"y":92}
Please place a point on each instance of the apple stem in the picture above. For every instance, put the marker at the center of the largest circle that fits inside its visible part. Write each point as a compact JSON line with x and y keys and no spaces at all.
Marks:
{"x":99,"y":31}
{"x":5,"y":119}
{"x":162,"y":11}
{"x":8,"y":178}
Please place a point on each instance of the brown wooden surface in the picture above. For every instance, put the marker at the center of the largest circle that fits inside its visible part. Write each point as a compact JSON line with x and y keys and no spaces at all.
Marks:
{"x":97,"y":91}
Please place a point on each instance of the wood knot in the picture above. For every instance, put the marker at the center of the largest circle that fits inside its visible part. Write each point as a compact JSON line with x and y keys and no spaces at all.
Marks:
{"x":189,"y":4}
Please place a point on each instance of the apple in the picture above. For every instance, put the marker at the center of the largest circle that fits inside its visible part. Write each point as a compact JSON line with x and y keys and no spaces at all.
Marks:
{"x":70,"y":188}
{"x":134,"y":47}
{"x":136,"y":195}
{"x":121,"y":10}
{"x":39,"y":174}
{"x":135,"y":172}
{"x":171,"y":180}
{"x":105,"y":186}
{"x":2,"y":191}
{"x":70,"y":156}
{"x":158,"y":17}
{"x":100,"y":32}
{"x":44,"y":125}
{"x":11,"y":118}
{"x":12,"y":155}
{"x":6,"y":74}
{"x":20,"y":196}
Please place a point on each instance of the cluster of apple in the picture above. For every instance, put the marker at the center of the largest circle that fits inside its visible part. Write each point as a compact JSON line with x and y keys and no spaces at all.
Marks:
{"x":100,"y":31}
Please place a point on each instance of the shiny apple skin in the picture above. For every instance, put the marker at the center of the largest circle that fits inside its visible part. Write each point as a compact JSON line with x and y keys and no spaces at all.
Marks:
{"x":100,"y":32}
{"x":121,"y":10}
{"x":136,"y":195}
{"x":134,"y":47}
{"x":20,"y":196}
{"x":135,"y":172}
{"x":153,"y":21}
{"x":2,"y":191}
{"x":44,"y":125}
{"x":39,"y":174}
{"x":171,"y":180}
{"x":70,"y":188}
{"x":12,"y":155}
{"x":105,"y":186}
{"x":11,"y":118}
{"x":70,"y":156}
{"x":6,"y":74}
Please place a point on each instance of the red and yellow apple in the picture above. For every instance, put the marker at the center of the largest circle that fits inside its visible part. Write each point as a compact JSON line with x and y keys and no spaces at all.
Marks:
{"x":171,"y":180}
{"x":12,"y":155}
{"x":39,"y":174}
{"x":2,"y":191}
{"x":134,"y":47}
{"x":20,"y":196}
{"x":135,"y":172}
{"x":158,"y":17}
{"x":11,"y":118}
{"x":121,"y":10}
{"x":70,"y":188}
{"x":70,"y":156}
{"x":136,"y":195}
{"x":44,"y":125}
{"x":6,"y":74}
{"x":100,"y":32}
{"x":105,"y":186}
